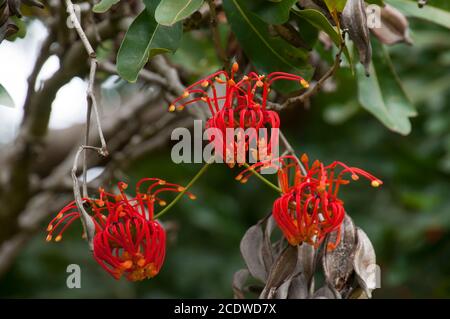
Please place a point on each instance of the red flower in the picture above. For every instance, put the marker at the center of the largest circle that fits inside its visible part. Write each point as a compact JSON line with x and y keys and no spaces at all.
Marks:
{"x":309,"y":207}
{"x":128,"y":240}
{"x":242,"y":105}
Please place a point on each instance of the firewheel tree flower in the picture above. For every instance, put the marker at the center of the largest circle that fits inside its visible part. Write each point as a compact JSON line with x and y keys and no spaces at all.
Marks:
{"x":309,"y":208}
{"x":239,"y":107}
{"x":128,"y":241}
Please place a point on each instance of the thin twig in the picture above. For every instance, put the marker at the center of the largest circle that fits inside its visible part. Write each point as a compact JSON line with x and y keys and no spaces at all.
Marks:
{"x":93,"y":69}
{"x":263,"y":179}
{"x":44,"y":53}
{"x":290,"y":150}
{"x":86,"y":142}
{"x":185,"y":189}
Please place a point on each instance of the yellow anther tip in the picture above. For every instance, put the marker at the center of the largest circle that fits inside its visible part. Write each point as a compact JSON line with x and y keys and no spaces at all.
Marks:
{"x":235,"y":67}
{"x":48,"y":238}
{"x":355,"y":177}
{"x":238,"y":178}
{"x":171,"y":108}
{"x":205,"y":84}
{"x":375,"y":183}
{"x":304,"y":83}
{"x":185,"y":94}
{"x":162,"y":203}
{"x":50,"y":227}
{"x":127,"y":264}
{"x":192,"y":196}
{"x":58,"y":238}
{"x":162,"y":182}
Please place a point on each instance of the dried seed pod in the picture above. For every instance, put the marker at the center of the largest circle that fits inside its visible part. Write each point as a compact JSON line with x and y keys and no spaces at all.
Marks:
{"x":33,"y":3}
{"x":394,"y":27}
{"x":354,"y":20}
{"x":298,"y":288}
{"x":239,"y":279}
{"x":7,"y":30}
{"x":364,"y":263}
{"x":282,"y":269}
{"x":252,"y":246}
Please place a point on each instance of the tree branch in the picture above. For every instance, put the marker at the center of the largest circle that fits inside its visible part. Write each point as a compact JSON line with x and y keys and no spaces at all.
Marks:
{"x":315,"y":88}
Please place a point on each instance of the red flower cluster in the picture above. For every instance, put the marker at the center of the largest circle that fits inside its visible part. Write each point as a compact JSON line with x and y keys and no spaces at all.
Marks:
{"x":309,"y":207}
{"x":238,"y":104}
{"x":128,"y":240}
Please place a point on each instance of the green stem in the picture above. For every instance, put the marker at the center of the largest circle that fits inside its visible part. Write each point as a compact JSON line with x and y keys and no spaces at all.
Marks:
{"x":263,"y":179}
{"x":192,"y":182}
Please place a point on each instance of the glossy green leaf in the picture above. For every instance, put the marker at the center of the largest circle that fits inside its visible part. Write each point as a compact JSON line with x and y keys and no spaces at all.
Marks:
{"x":170,"y":12}
{"x":272,"y":12}
{"x":144,"y":39}
{"x":104,"y":5}
{"x":382,"y":93}
{"x":5,"y":98}
{"x":266,"y":52}
{"x":22,"y":29}
{"x":428,"y":12}
{"x":197,"y":54}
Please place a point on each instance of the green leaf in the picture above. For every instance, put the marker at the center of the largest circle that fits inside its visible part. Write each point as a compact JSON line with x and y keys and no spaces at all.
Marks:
{"x":428,"y":12}
{"x":169,"y":12}
{"x":335,"y":5}
{"x":104,"y":5}
{"x":267,"y":53}
{"x":144,"y":39}
{"x":382,"y":93}
{"x":22,"y":29}
{"x":270,"y":11}
{"x":5,"y":98}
